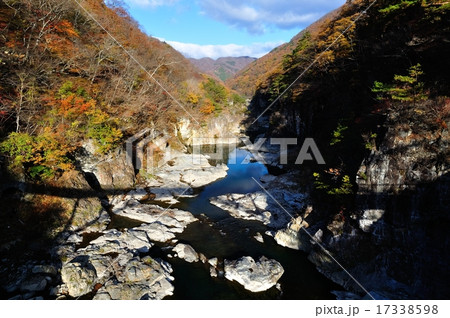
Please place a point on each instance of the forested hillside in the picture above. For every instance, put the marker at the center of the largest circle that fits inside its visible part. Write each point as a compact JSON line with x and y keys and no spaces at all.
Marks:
{"x":71,"y":73}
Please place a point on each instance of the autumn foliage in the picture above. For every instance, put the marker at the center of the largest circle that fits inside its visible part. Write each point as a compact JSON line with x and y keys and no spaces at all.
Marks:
{"x":65,"y":80}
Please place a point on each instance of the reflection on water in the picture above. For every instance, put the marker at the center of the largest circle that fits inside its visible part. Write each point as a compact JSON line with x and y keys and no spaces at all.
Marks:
{"x":219,"y":235}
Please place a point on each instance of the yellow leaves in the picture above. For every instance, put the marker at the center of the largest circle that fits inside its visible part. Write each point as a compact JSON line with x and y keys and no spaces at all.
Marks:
{"x":50,"y":151}
{"x":326,"y":58}
{"x":97,"y":117}
{"x":193,"y":98}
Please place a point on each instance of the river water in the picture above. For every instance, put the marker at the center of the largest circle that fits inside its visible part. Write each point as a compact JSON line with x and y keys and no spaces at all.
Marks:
{"x":219,"y":235}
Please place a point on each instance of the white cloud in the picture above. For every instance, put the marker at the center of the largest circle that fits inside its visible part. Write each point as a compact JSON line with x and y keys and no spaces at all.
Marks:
{"x":257,"y":16}
{"x":152,"y":3}
{"x":216,"y":51}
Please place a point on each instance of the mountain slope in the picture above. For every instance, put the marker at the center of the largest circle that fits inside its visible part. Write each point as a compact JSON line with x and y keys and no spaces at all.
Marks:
{"x":222,"y":68}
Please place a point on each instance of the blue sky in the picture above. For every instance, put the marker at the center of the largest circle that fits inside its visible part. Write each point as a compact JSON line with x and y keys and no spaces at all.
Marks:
{"x":216,"y":28}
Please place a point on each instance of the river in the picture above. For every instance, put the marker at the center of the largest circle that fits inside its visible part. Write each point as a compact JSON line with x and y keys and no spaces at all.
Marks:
{"x":219,"y":235}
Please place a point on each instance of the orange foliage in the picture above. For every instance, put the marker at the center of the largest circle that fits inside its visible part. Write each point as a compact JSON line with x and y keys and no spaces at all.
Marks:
{"x":207,"y":108}
{"x":73,"y":106}
{"x":64,"y":27}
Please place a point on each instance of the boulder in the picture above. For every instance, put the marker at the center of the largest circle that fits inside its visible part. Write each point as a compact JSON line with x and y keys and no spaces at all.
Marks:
{"x":251,"y":206}
{"x":291,"y":237}
{"x":178,"y":176}
{"x":201,"y":177}
{"x":254,"y":276}
{"x":144,"y":278}
{"x":259,"y":237}
{"x":148,"y":213}
{"x":186,"y":252}
{"x":114,"y":241}
{"x":158,"y":232}
{"x":79,"y":276}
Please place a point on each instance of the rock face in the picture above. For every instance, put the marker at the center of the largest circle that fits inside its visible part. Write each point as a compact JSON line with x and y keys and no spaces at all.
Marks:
{"x":112,"y":172}
{"x":254,"y":276}
{"x":87,"y":213}
{"x":186,"y":252}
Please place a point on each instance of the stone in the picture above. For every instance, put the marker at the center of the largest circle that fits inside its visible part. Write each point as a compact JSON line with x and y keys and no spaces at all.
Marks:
{"x":213,"y":262}
{"x":317,"y":238}
{"x":183,"y":172}
{"x":74,"y":239}
{"x":79,"y":276}
{"x":251,"y":206}
{"x":114,"y":241}
{"x":144,"y":278}
{"x":104,"y":266}
{"x":291,"y":237}
{"x":259,"y":237}
{"x":200,"y":178}
{"x":369,"y":217}
{"x":158,"y":232}
{"x":202,"y":258}
{"x":139,"y":291}
{"x":254,"y":276}
{"x":34,"y":284}
{"x":148,"y":213}
{"x":186,"y":252}
{"x":258,"y":206}
{"x":45,"y":269}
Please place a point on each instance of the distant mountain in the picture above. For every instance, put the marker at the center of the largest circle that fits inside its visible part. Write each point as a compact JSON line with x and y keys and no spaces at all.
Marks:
{"x":224,"y":67}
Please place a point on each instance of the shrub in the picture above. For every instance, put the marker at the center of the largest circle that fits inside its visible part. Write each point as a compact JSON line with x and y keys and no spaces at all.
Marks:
{"x":40,"y":155}
{"x":103,"y":130}
{"x":338,"y":134}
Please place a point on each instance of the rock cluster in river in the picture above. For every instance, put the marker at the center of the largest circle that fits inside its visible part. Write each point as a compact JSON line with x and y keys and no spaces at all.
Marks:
{"x":179,"y":176}
{"x":274,"y":208}
{"x":115,"y":265}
